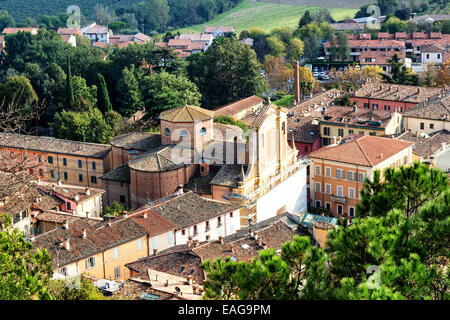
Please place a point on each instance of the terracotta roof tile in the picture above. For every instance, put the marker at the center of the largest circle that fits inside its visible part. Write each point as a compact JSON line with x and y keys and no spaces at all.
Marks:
{"x":396,"y":92}
{"x":362,"y":150}
{"x":190,"y":208}
{"x":53,"y":145}
{"x":238,"y":106}
{"x":186,"y":114}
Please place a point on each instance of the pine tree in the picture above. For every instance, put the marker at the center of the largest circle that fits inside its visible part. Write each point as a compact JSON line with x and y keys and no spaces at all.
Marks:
{"x":69,"y":88}
{"x":104,"y":104}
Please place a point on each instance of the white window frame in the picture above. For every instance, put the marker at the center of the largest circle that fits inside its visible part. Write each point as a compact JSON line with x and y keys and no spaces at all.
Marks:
{"x":320,"y":187}
{"x":90,"y":265}
{"x":139,"y":244}
{"x":329,"y":190}
{"x":350,"y":193}
{"x":327,"y":171}
{"x":116,"y":274}
{"x":354,"y":212}
{"x":341,"y":194}
{"x":116,"y":253}
{"x":317,"y":170}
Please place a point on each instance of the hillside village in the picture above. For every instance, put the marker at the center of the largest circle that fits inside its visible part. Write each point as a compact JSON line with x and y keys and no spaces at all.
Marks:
{"x":197,"y":189}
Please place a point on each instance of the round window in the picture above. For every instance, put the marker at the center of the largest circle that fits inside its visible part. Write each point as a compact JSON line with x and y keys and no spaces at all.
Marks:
{"x":184,"y":134}
{"x":167,"y":131}
{"x":202,"y":131}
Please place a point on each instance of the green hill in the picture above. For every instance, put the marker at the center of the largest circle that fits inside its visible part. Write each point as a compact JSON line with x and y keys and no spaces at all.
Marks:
{"x":266,"y":16}
{"x":21,"y":9}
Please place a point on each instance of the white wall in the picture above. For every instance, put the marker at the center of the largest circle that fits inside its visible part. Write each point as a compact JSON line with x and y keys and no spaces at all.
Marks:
{"x":229,"y":226}
{"x":413,"y":124}
{"x":290,"y":193}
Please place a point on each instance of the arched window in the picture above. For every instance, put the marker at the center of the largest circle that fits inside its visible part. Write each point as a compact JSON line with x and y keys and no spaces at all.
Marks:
{"x":203,"y":131}
{"x":167,"y":131}
{"x":283,"y":127}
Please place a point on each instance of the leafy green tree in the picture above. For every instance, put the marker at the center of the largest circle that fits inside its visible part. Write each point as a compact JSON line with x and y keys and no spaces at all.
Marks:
{"x":305,"y":20}
{"x":6,"y":20}
{"x":24,"y":271}
{"x":295,"y":49}
{"x":393,"y":25}
{"x":114,"y":120}
{"x":230,"y":120}
{"x":163,"y":91}
{"x":102,"y":95}
{"x":445,"y":27}
{"x":276,"y":46}
{"x":19,"y":89}
{"x":69,"y":87}
{"x":387,"y":6}
{"x":400,"y":73}
{"x":407,"y":189}
{"x":85,"y":97}
{"x":117,"y":26}
{"x":129,"y":95}
{"x":88,"y":126}
{"x":229,"y":65}
{"x":87,"y":290}
{"x":115,"y":209}
{"x":343,"y":50}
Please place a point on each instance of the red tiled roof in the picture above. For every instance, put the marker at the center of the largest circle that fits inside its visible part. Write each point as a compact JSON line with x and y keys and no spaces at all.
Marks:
{"x":15,"y":30}
{"x":179,"y":42}
{"x":154,"y":223}
{"x":238,"y":106}
{"x":381,"y":57}
{"x":373,"y":44}
{"x":69,"y":31}
{"x":362,"y":150}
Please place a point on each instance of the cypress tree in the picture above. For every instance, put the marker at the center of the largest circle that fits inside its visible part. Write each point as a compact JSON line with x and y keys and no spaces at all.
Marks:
{"x":69,"y":87}
{"x":104,"y":104}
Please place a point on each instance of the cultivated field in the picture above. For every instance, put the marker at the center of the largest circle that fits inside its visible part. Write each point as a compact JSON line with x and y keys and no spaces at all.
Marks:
{"x":355,"y":4}
{"x":269,"y":15}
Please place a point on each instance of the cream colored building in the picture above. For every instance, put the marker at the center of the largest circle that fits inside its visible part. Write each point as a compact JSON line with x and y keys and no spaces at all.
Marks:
{"x":338,"y":122}
{"x":429,"y":116}
{"x":94,"y":248}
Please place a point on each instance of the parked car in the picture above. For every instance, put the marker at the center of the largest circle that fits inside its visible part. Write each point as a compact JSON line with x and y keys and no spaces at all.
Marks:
{"x":321,"y":74}
{"x":315,"y":74}
{"x":315,"y":69}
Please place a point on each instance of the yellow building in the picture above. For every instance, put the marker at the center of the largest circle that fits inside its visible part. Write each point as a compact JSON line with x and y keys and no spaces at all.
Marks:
{"x":98,"y":249}
{"x":71,"y":162}
{"x":338,"y":122}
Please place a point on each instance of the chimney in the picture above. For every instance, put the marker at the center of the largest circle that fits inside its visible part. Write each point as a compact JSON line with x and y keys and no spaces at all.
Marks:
{"x":296,"y":83}
{"x":66,"y":224}
{"x":293,"y":140}
{"x":77,"y":198}
{"x":145,"y":215}
{"x":381,"y":156}
{"x":84,"y":234}
{"x":196,"y":243}
{"x":59,"y":182}
{"x":31,"y":237}
{"x":155,"y":251}
{"x":355,"y":108}
{"x":334,"y":140}
{"x":260,"y":242}
{"x":66,"y":244}
{"x":444,"y":146}
{"x":264,"y":245}
{"x":416,"y":134}
{"x":88,"y":192}
{"x":221,"y":240}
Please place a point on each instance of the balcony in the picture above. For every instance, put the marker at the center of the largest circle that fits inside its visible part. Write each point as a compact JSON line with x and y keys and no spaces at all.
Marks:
{"x":340,"y":199}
